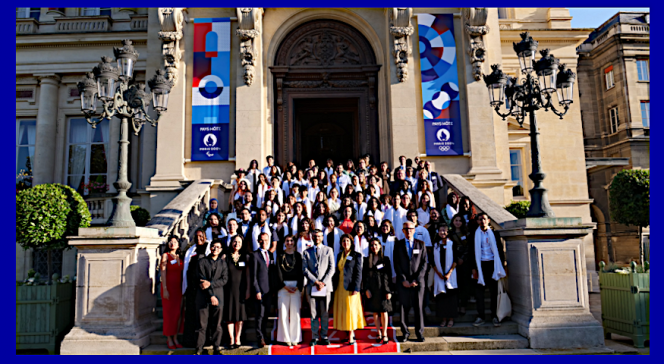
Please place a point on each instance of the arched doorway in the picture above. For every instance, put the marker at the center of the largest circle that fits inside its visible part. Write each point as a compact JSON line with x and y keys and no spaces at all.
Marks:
{"x":325,"y":76}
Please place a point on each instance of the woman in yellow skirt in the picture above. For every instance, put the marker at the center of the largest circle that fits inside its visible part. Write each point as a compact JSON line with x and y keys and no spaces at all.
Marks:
{"x":348,"y":315}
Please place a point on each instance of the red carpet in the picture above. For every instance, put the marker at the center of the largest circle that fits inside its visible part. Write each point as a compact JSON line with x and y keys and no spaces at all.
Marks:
{"x":365,"y":341}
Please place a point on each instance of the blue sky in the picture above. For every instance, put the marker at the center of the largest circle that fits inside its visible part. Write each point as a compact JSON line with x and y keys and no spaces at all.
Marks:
{"x":594,"y":17}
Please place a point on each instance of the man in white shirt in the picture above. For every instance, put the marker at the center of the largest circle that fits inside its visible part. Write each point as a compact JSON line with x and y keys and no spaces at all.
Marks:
{"x":342,"y":178}
{"x":260,"y":227}
{"x":399,"y":216}
{"x":360,"y":205}
{"x":420,"y":232}
{"x":267,"y":170}
{"x":329,"y":170}
{"x":488,"y":263}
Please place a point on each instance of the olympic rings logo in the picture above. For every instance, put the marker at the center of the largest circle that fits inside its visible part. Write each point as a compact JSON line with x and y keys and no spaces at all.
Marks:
{"x":444,"y":148}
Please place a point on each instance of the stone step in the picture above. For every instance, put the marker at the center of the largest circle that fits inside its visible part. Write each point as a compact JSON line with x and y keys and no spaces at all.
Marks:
{"x":447,"y":343}
{"x":162,"y":349}
{"x":465,"y":329}
{"x":432,"y":319}
{"x":436,"y":344}
{"x":459,"y":329}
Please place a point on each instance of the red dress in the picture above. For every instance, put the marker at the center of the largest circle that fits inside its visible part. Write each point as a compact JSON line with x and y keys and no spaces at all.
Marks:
{"x":347,"y":226}
{"x":172,"y":306}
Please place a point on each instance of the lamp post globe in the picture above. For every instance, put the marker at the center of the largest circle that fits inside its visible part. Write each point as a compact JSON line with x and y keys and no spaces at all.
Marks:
{"x":525,"y":98}
{"x":112,"y":84}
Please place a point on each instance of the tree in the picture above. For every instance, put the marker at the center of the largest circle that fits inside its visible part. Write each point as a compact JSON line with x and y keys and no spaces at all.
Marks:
{"x":46,"y":214}
{"x":629,"y":200}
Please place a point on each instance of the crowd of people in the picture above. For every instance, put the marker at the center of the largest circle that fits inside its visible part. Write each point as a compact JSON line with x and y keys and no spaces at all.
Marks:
{"x":344,"y":239}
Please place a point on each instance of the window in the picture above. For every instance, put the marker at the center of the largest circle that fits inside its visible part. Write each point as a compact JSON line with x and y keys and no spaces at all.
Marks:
{"x":645,"y":113}
{"x":608,"y":77}
{"x":40,"y":262}
{"x":95,"y":11}
{"x":613,"y":115}
{"x":643,"y":69}
{"x":502,"y":13}
{"x":24,"y":13}
{"x":87,"y":165}
{"x":517,"y":171}
{"x":25,"y":150}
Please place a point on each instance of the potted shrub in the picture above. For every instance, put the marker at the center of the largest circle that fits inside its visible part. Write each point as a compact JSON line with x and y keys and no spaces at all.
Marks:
{"x":45,"y":216}
{"x":625,"y":294}
{"x":629,"y":200}
{"x":518,"y":208}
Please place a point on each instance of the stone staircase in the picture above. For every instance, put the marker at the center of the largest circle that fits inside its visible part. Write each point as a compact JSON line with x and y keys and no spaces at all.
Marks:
{"x":463,"y":336}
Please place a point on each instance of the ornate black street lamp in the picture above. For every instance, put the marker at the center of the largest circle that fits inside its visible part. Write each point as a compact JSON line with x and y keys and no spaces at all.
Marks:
{"x":529,"y":95}
{"x":113,"y":84}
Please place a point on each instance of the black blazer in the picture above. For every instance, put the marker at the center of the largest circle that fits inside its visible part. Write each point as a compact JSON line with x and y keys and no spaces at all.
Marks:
{"x":260,"y":273}
{"x":410,"y":270}
{"x":280,"y":236}
{"x":216,"y":272}
{"x":282,"y":275}
{"x":471,"y":249}
{"x":377,"y":280}
{"x":352,"y":272}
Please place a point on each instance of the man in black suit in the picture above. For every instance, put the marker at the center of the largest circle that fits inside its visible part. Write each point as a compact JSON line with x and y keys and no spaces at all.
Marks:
{"x":213,"y":275}
{"x":410,"y":262}
{"x":260,"y":265}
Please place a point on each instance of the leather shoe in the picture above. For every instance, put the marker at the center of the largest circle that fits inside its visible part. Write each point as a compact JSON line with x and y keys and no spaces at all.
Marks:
{"x":324,"y":342}
{"x":405,"y":338}
{"x":262,"y":343}
{"x":313,"y":342}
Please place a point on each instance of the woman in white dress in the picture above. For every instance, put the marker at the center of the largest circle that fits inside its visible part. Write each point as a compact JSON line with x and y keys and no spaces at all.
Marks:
{"x":373,"y":209}
{"x":424,"y":210}
{"x":262,"y":187}
{"x":360,"y":239}
{"x":386,"y":207}
{"x":304,"y":240}
{"x":333,"y":203}
{"x":252,"y":175}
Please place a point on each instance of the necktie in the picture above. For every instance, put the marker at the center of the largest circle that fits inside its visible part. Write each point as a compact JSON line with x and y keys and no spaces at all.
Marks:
{"x":267,"y":260}
{"x":410,"y":249}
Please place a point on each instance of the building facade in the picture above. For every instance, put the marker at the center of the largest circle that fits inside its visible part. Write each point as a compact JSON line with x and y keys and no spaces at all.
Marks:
{"x":614,"y":85}
{"x":367,"y":100}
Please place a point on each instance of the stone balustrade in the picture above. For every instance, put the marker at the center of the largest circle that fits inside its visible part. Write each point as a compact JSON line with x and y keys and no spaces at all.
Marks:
{"x":100,"y":209}
{"x":82,"y":24}
{"x":185,"y":213}
{"x":139,"y":22}
{"x":26,"y":26}
{"x":482,"y":202}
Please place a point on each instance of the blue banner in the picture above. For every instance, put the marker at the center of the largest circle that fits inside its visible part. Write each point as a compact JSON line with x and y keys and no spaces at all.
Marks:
{"x":210,"y":106}
{"x":440,"y":85}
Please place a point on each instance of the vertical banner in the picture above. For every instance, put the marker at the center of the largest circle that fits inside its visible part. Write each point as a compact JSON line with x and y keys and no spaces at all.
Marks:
{"x":440,"y":85}
{"x":210,"y":112}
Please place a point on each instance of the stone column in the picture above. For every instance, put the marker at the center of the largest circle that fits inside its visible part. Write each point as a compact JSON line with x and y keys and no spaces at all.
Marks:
{"x":547,"y":282}
{"x":115,"y":291}
{"x":171,"y":126}
{"x":43,"y":167}
{"x":251,"y":129}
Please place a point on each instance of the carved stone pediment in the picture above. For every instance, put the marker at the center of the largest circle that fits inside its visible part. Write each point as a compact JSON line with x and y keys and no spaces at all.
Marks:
{"x":325,"y":43}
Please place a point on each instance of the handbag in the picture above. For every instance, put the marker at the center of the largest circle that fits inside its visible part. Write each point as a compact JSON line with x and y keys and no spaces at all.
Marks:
{"x":504,"y":308}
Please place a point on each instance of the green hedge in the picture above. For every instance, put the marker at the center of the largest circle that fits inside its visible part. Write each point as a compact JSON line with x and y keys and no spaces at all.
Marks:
{"x":140,"y":215}
{"x":46,"y":214}
{"x":518,"y":208}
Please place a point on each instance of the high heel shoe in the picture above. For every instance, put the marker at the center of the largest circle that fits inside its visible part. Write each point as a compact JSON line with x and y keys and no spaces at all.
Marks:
{"x":177,"y":345}
{"x":385,"y":340}
{"x":172,"y":347}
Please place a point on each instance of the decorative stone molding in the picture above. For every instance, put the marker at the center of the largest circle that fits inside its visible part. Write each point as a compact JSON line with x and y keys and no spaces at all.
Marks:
{"x":80,"y":24}
{"x":172,"y":24}
{"x":26,"y":26}
{"x":249,"y":27}
{"x":476,"y":28}
{"x":401,"y":28}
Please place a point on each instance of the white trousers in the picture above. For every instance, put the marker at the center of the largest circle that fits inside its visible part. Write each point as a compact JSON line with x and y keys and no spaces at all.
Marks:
{"x":289,"y":329}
